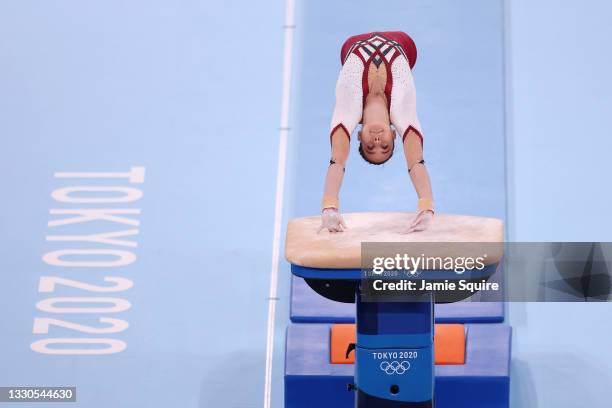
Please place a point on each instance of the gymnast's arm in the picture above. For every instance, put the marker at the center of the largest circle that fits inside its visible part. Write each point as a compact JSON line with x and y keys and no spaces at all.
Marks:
{"x":331,"y":219}
{"x":339,"y":155}
{"x":405,"y":119}
{"x":346,"y":116}
{"x":413,"y":151}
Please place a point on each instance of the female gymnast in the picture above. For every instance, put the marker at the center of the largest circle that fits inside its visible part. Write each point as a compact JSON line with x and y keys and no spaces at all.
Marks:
{"x":375,"y":88}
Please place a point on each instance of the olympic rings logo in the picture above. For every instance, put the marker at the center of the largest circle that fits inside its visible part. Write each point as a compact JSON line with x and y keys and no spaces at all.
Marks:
{"x":395,"y":367}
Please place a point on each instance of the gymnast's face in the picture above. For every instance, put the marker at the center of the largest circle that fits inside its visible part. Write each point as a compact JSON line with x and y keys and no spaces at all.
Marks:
{"x":377,"y":142}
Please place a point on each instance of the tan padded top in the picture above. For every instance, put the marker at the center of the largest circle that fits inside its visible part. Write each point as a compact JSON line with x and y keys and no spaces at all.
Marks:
{"x":304,"y":247}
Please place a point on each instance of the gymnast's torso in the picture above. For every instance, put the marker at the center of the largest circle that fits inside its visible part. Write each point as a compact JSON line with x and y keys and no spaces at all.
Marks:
{"x":377,"y":62}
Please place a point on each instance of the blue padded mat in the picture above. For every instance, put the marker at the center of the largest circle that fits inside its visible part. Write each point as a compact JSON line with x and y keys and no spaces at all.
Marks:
{"x":483,"y":381}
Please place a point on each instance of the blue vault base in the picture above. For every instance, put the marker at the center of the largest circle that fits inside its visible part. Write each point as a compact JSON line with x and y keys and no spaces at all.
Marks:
{"x":482,"y":382}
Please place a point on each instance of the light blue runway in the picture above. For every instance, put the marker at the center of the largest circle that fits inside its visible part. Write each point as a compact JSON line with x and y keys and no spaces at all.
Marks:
{"x":181,"y":90}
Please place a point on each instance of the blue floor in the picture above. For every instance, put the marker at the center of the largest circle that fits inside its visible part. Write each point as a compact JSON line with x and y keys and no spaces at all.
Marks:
{"x":191,"y":91}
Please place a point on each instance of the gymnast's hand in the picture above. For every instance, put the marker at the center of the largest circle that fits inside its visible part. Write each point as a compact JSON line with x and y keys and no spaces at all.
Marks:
{"x":421,"y":222}
{"x":332,"y":221}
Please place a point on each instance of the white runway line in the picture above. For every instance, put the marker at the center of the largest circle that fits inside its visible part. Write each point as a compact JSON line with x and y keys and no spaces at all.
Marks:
{"x":280,"y":191}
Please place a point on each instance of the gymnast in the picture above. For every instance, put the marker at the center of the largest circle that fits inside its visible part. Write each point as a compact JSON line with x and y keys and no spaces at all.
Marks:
{"x":375,"y":87}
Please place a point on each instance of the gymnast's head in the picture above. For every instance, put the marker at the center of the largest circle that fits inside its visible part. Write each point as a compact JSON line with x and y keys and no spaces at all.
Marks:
{"x":376,"y":137}
{"x":376,"y":142}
